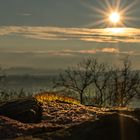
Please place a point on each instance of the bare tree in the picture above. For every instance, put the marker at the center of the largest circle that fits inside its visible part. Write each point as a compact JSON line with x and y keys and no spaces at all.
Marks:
{"x":116,"y":86}
{"x":125,"y":84}
{"x":77,"y":79}
{"x":113,"y":86}
{"x":89,"y":73}
{"x":101,"y":77}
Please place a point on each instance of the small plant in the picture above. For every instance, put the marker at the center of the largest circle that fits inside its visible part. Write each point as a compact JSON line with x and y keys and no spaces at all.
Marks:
{"x":13,"y":94}
{"x":52,"y":96}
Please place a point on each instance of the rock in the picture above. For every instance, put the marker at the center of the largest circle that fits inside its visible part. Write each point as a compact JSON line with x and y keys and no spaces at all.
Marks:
{"x":131,"y":112}
{"x":118,"y":126}
{"x":109,"y":126}
{"x":26,"y":110}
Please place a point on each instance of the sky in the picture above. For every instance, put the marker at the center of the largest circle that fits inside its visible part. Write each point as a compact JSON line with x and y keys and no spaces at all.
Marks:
{"x":55,"y":34}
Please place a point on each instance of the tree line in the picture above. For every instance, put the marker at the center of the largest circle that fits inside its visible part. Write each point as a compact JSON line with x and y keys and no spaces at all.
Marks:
{"x":108,"y":85}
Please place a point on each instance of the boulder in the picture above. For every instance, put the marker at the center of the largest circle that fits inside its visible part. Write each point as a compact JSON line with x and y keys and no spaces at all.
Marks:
{"x":26,"y":110}
{"x":109,"y":126}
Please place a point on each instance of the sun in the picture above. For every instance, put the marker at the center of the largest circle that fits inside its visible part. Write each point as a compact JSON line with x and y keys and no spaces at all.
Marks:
{"x":114,"y":17}
{"x":111,"y":14}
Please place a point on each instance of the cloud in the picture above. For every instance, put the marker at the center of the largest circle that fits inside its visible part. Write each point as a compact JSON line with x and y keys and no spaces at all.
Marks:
{"x":70,"y":53}
{"x":85,"y":34}
{"x":103,"y":50}
{"x":25,"y":14}
{"x":110,"y":50}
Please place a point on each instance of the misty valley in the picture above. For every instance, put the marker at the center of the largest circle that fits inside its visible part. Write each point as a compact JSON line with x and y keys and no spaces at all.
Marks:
{"x":29,"y":83}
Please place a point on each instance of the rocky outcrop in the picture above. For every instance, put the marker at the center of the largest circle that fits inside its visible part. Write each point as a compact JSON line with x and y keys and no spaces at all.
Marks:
{"x":26,"y":110}
{"x":62,"y":121}
{"x":109,"y":126}
{"x":131,"y":112}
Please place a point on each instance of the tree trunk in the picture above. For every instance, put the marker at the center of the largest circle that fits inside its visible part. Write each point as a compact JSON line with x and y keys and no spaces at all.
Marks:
{"x":81,"y":97}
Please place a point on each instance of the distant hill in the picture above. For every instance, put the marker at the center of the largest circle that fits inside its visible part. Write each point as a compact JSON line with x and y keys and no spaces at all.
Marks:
{"x":33,"y":71}
{"x":30,"y":71}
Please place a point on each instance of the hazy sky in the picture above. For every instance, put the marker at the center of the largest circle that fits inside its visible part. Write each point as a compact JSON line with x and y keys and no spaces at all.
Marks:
{"x":58,"y":33}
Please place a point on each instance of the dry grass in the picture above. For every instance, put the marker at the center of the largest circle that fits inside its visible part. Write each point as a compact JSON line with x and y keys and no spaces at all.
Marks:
{"x":52,"y":96}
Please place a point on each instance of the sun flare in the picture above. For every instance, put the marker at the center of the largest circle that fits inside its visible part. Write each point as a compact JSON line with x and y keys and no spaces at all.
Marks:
{"x":112,"y":14}
{"x":116,"y":31}
{"x":114,"y":17}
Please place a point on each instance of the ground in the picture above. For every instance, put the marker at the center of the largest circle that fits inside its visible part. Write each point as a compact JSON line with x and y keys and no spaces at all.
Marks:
{"x":62,"y":120}
{"x":56,"y":115}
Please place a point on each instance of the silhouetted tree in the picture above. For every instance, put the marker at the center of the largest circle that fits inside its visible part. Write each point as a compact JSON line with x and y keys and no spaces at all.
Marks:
{"x":125,"y":84}
{"x":114,"y":86}
{"x":77,"y":78}
{"x":100,"y":78}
